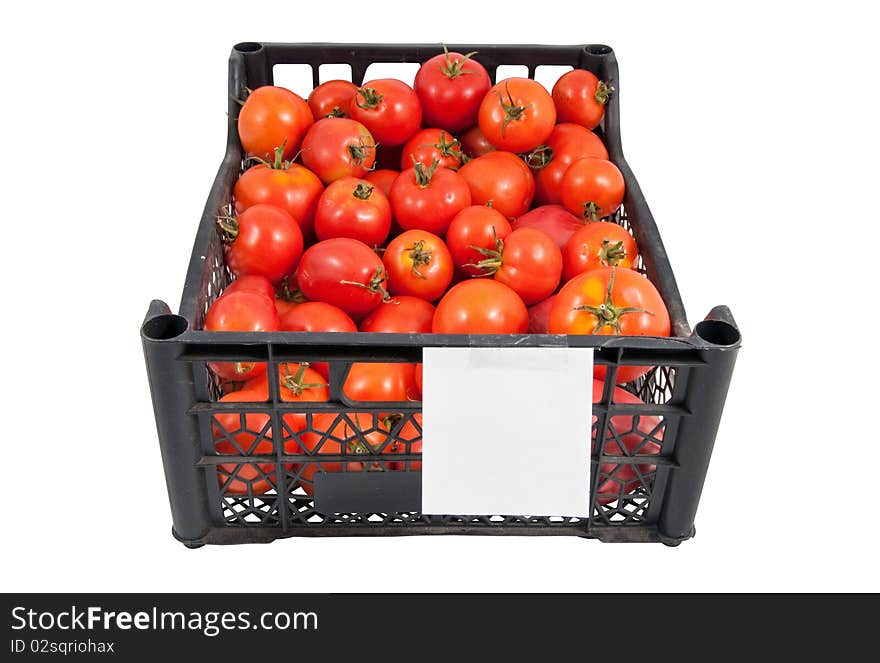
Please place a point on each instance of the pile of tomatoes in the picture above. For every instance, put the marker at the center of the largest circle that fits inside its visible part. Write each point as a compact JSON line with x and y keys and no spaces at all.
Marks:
{"x":453,"y":206}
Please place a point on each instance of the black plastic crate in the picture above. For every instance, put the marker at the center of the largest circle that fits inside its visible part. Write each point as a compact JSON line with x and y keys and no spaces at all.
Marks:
{"x":684,"y":392}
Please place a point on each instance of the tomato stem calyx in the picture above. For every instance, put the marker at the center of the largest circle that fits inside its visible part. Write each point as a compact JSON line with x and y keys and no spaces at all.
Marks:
{"x":611,"y":253}
{"x":591,"y":211}
{"x":228,"y":226}
{"x":376,"y":284}
{"x":607,"y":314}
{"x":539,"y":158}
{"x":603,"y":91}
{"x":290,"y":295}
{"x":424,"y":173}
{"x":493,"y":260}
{"x":372,"y":98}
{"x":449,"y":149}
{"x":420,"y":256}
{"x":512,"y":111}
{"x":336,"y":112}
{"x":295,"y":382}
{"x":363,"y":191}
{"x":360,"y":151}
{"x":455,"y":69}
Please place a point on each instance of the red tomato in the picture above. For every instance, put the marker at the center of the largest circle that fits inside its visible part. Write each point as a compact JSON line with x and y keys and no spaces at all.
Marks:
{"x":400,"y":315}
{"x":474,"y":143}
{"x":598,"y":244}
{"x":244,"y":435}
{"x":539,"y":316}
{"x":410,"y":432}
{"x":382,"y":179}
{"x":262,"y":240}
{"x":287,"y":185}
{"x":592,"y":188}
{"x":426,"y":198}
{"x":480,"y":306}
{"x":417,"y":374}
{"x":610,"y":301}
{"x":389,"y":108}
{"x":351,"y":207}
{"x":419,"y":264}
{"x":429,"y":145}
{"x":554,"y":220}
{"x":451,"y":87}
{"x":528,"y":261}
{"x":517,"y":115}
{"x":567,"y":144}
{"x":338,"y":147}
{"x":336,"y":436}
{"x":631,"y":431}
{"x":242,"y":311}
{"x":273,"y":117}
{"x":317,"y":317}
{"x":503,"y":178}
{"x":343,"y":272}
{"x":580,"y":97}
{"x":332,"y":99}
{"x":474,"y":228}
{"x":370,"y":381}
{"x":251,"y":283}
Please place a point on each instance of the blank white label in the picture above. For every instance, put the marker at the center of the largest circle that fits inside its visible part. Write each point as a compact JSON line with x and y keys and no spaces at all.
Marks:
{"x":506,"y":431}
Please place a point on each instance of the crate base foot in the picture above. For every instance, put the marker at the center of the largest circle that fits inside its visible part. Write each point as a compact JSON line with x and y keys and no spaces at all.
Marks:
{"x":192,"y":544}
{"x":674,"y":541}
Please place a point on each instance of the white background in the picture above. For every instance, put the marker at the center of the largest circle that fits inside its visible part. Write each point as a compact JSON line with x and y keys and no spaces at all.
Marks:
{"x":753,"y":131}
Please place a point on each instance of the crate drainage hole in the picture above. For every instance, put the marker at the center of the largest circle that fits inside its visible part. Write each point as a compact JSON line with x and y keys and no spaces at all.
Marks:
{"x":164,"y":327}
{"x":717,"y":332}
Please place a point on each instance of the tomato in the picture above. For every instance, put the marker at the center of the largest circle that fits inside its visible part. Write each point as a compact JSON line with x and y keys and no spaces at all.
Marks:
{"x":287,"y":299}
{"x":451,"y":87}
{"x":598,"y":244}
{"x":242,"y":311}
{"x":419,"y":264}
{"x":429,"y":145}
{"x":389,"y":108}
{"x":592,"y":188}
{"x":555,"y":220}
{"x":263,"y":240}
{"x":528,"y":261}
{"x":474,"y":143}
{"x":369,"y":381}
{"x":273,"y":117}
{"x":251,"y":283}
{"x":400,"y":315}
{"x":580,"y":97}
{"x":417,"y":374}
{"x":287,"y":185}
{"x":517,"y":115}
{"x":382,"y":179}
{"x":296,"y":383}
{"x":480,"y":306}
{"x":622,"y":479}
{"x":427,"y":197}
{"x":410,"y":433}
{"x":344,"y":272}
{"x":336,"y":436}
{"x":610,"y":301}
{"x":338,"y":147}
{"x":503,"y":178}
{"x":352,"y":207}
{"x":567,"y":144}
{"x":248,"y":434}
{"x":473,"y":228}
{"x":539,"y":316}
{"x":318,"y":317}
{"x":332,"y":99}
